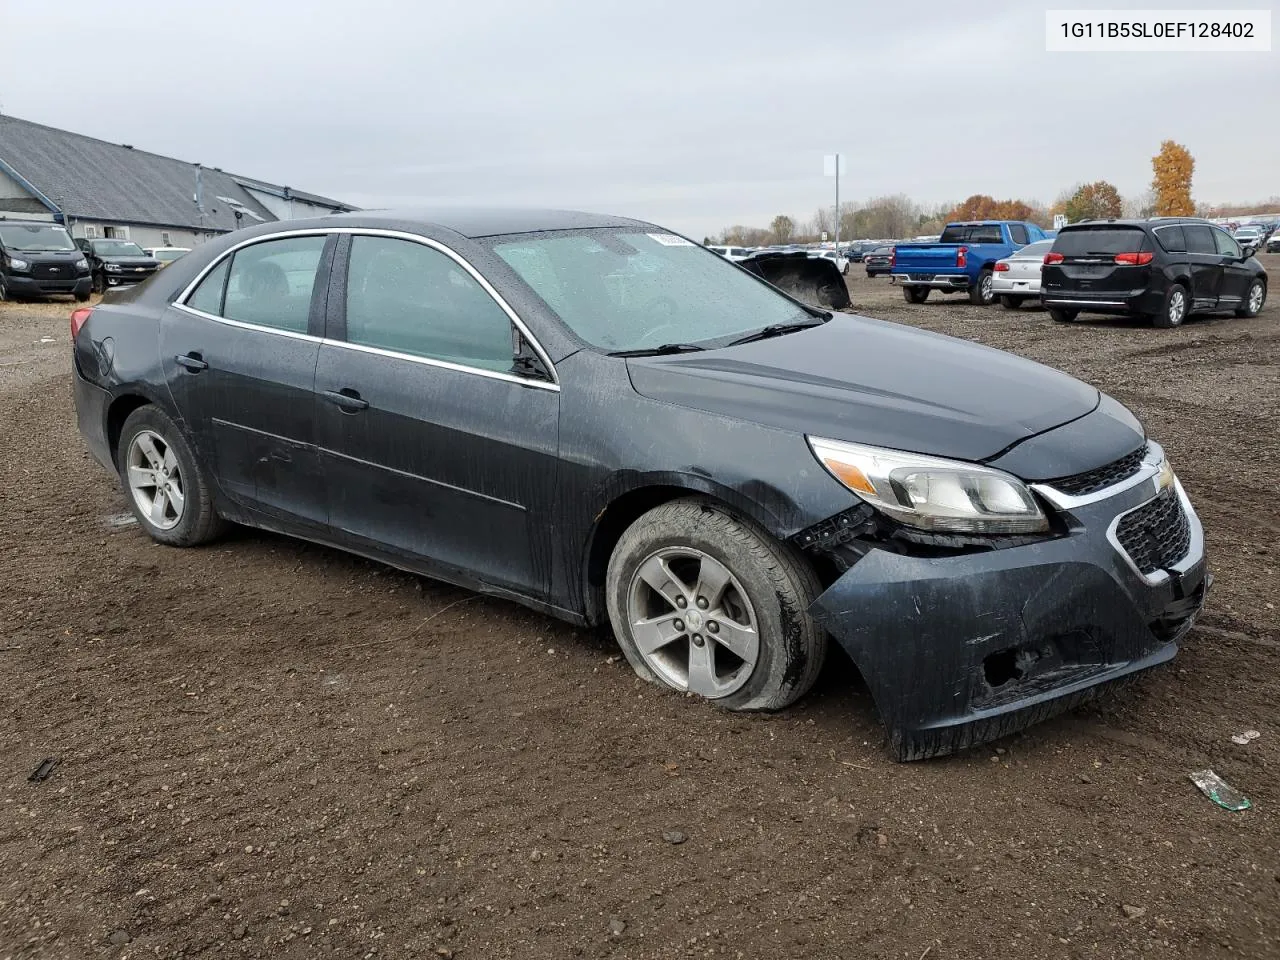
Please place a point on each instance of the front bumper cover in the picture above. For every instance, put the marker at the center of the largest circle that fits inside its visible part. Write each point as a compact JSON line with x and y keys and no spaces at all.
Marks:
{"x":961,"y":649}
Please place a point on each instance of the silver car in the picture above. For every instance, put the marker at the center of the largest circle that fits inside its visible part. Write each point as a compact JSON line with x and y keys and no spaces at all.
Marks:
{"x":1017,"y":277}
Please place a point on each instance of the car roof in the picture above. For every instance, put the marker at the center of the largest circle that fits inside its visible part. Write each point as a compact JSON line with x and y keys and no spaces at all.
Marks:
{"x":475,"y":222}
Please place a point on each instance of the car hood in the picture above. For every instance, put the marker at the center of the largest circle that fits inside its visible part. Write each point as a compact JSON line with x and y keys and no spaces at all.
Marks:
{"x":868,"y":381}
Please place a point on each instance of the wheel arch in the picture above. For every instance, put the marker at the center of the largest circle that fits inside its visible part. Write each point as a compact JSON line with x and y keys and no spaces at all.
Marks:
{"x":122,"y":404}
{"x":627,"y":504}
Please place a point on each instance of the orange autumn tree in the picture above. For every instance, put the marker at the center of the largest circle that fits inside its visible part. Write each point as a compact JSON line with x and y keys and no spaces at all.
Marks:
{"x":982,"y":207}
{"x":1173,"y":167}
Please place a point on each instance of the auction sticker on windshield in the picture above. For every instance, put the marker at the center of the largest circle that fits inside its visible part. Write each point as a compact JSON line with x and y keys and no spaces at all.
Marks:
{"x":670,"y":240}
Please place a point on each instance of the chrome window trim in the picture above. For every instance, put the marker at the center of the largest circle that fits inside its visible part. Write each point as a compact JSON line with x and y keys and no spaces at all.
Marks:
{"x":293,"y":334}
{"x":181,"y":302}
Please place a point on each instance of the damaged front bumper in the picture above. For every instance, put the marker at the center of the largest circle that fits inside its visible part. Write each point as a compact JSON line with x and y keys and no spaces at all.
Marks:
{"x":965,"y":648}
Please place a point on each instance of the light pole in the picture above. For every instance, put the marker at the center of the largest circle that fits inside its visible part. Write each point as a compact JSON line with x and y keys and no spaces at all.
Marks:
{"x":834,"y":165}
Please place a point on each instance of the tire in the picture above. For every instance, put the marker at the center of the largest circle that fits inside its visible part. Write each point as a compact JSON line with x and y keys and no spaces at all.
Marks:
{"x":98,"y":284}
{"x":81,"y":297}
{"x":1010,"y":303}
{"x":981,"y":294}
{"x":1254,"y":299}
{"x":915,"y":294}
{"x":684,"y":542}
{"x":197,"y":521}
{"x":4,"y":290}
{"x":1063,"y":316}
{"x":1174,"y":309}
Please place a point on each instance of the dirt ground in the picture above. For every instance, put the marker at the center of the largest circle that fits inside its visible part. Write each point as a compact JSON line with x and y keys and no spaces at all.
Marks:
{"x":270,"y":749}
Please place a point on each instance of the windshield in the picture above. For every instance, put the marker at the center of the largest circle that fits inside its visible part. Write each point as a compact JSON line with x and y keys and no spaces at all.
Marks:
{"x":622,"y":290}
{"x":116,"y":248}
{"x":167,"y":256}
{"x":34,"y":238}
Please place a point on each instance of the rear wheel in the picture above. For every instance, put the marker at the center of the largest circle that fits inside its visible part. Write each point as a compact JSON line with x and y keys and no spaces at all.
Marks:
{"x":167,"y":489}
{"x":1063,"y":316}
{"x":1174,"y":309}
{"x":1010,"y":303}
{"x":982,"y":294}
{"x":706,"y":602}
{"x":915,"y":294}
{"x":1254,"y":299}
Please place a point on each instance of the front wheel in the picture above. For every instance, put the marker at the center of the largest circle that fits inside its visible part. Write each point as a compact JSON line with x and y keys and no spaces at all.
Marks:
{"x":81,"y":296}
{"x":915,"y":294}
{"x":1254,"y":300}
{"x":981,"y":294}
{"x":167,"y":490}
{"x":704,"y":601}
{"x":98,"y":284}
{"x":4,"y":291}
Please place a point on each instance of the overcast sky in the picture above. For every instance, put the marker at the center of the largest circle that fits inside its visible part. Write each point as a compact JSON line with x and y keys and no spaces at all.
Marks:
{"x":690,"y":113}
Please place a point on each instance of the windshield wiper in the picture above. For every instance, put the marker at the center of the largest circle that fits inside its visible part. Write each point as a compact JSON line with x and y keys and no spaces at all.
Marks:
{"x":776,"y":330}
{"x":658,"y":351}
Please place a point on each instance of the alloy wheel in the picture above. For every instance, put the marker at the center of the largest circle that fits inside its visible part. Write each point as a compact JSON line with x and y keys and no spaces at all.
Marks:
{"x":1177,"y":307}
{"x":155,"y":480}
{"x":987,"y":295}
{"x":693,"y":622}
{"x":1256,"y":294}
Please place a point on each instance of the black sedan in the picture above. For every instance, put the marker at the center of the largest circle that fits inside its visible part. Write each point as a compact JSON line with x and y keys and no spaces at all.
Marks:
{"x":607,"y":422}
{"x":879,"y":261}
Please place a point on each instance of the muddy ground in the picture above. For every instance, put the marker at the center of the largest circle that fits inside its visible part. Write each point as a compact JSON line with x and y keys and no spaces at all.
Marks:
{"x":271,"y":749}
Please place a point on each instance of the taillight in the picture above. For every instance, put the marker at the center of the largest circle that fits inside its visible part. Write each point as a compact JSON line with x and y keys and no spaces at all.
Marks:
{"x":1001,"y":267}
{"x":1053,"y":258}
{"x":78,"y":317}
{"x":1137,"y":259}
{"x":893,"y":257}
{"x":962,"y":256}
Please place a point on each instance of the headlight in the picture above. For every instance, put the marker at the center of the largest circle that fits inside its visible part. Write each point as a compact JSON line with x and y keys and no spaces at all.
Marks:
{"x":945,"y":496}
{"x":17,"y":264}
{"x":111,"y":267}
{"x":82,"y":264}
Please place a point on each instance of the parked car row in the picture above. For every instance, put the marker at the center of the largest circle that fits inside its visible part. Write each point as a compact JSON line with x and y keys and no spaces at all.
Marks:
{"x":39,"y":258}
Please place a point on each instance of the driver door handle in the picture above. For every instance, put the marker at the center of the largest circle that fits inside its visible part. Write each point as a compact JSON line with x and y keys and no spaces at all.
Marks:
{"x":348,"y":400}
{"x":192,"y":361}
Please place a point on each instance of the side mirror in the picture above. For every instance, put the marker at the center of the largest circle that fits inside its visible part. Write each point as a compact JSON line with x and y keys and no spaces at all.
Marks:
{"x":1248,"y":252}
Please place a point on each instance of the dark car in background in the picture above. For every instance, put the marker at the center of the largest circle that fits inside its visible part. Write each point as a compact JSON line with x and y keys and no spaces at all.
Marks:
{"x":39,"y":259}
{"x":1160,"y":270}
{"x":117,"y":263}
{"x":878,"y":261}
{"x":609,"y":423}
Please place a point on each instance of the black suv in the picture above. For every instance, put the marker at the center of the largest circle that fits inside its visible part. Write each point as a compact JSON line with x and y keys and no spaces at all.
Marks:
{"x":117,"y":263}
{"x":37,"y":258}
{"x":1161,"y":269}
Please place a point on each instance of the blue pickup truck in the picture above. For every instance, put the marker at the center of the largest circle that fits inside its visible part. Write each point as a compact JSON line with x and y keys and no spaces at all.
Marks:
{"x":961,"y":261}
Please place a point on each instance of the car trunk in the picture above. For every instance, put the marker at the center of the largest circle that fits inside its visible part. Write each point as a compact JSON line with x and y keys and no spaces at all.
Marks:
{"x":1098,"y":260}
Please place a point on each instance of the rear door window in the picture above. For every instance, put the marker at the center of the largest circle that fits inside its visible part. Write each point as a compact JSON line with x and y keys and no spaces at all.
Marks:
{"x":270,"y":283}
{"x":1199,"y":239}
{"x":1172,"y":239}
{"x":1099,"y":241}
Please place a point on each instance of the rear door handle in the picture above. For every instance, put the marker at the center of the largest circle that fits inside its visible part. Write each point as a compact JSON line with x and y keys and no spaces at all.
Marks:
{"x":347,"y":399}
{"x":192,"y":361}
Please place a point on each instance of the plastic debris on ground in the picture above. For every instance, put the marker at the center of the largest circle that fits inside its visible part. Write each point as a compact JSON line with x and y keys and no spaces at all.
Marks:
{"x":1246,"y":738}
{"x":1219,"y":791}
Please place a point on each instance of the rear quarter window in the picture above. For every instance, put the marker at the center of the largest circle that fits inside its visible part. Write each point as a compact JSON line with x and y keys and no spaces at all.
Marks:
{"x":1172,"y":239}
{"x":1102,"y":241}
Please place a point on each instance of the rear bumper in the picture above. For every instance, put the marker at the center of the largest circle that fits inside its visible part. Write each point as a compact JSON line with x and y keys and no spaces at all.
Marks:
{"x":32,"y":287}
{"x":962,"y":649}
{"x":934,"y":281}
{"x":1005,"y":286}
{"x":1126,"y":301}
{"x":92,"y":403}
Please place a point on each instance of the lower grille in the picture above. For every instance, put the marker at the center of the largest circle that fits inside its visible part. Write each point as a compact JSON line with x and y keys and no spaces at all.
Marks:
{"x":1156,"y":535}
{"x":1083,"y":484}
